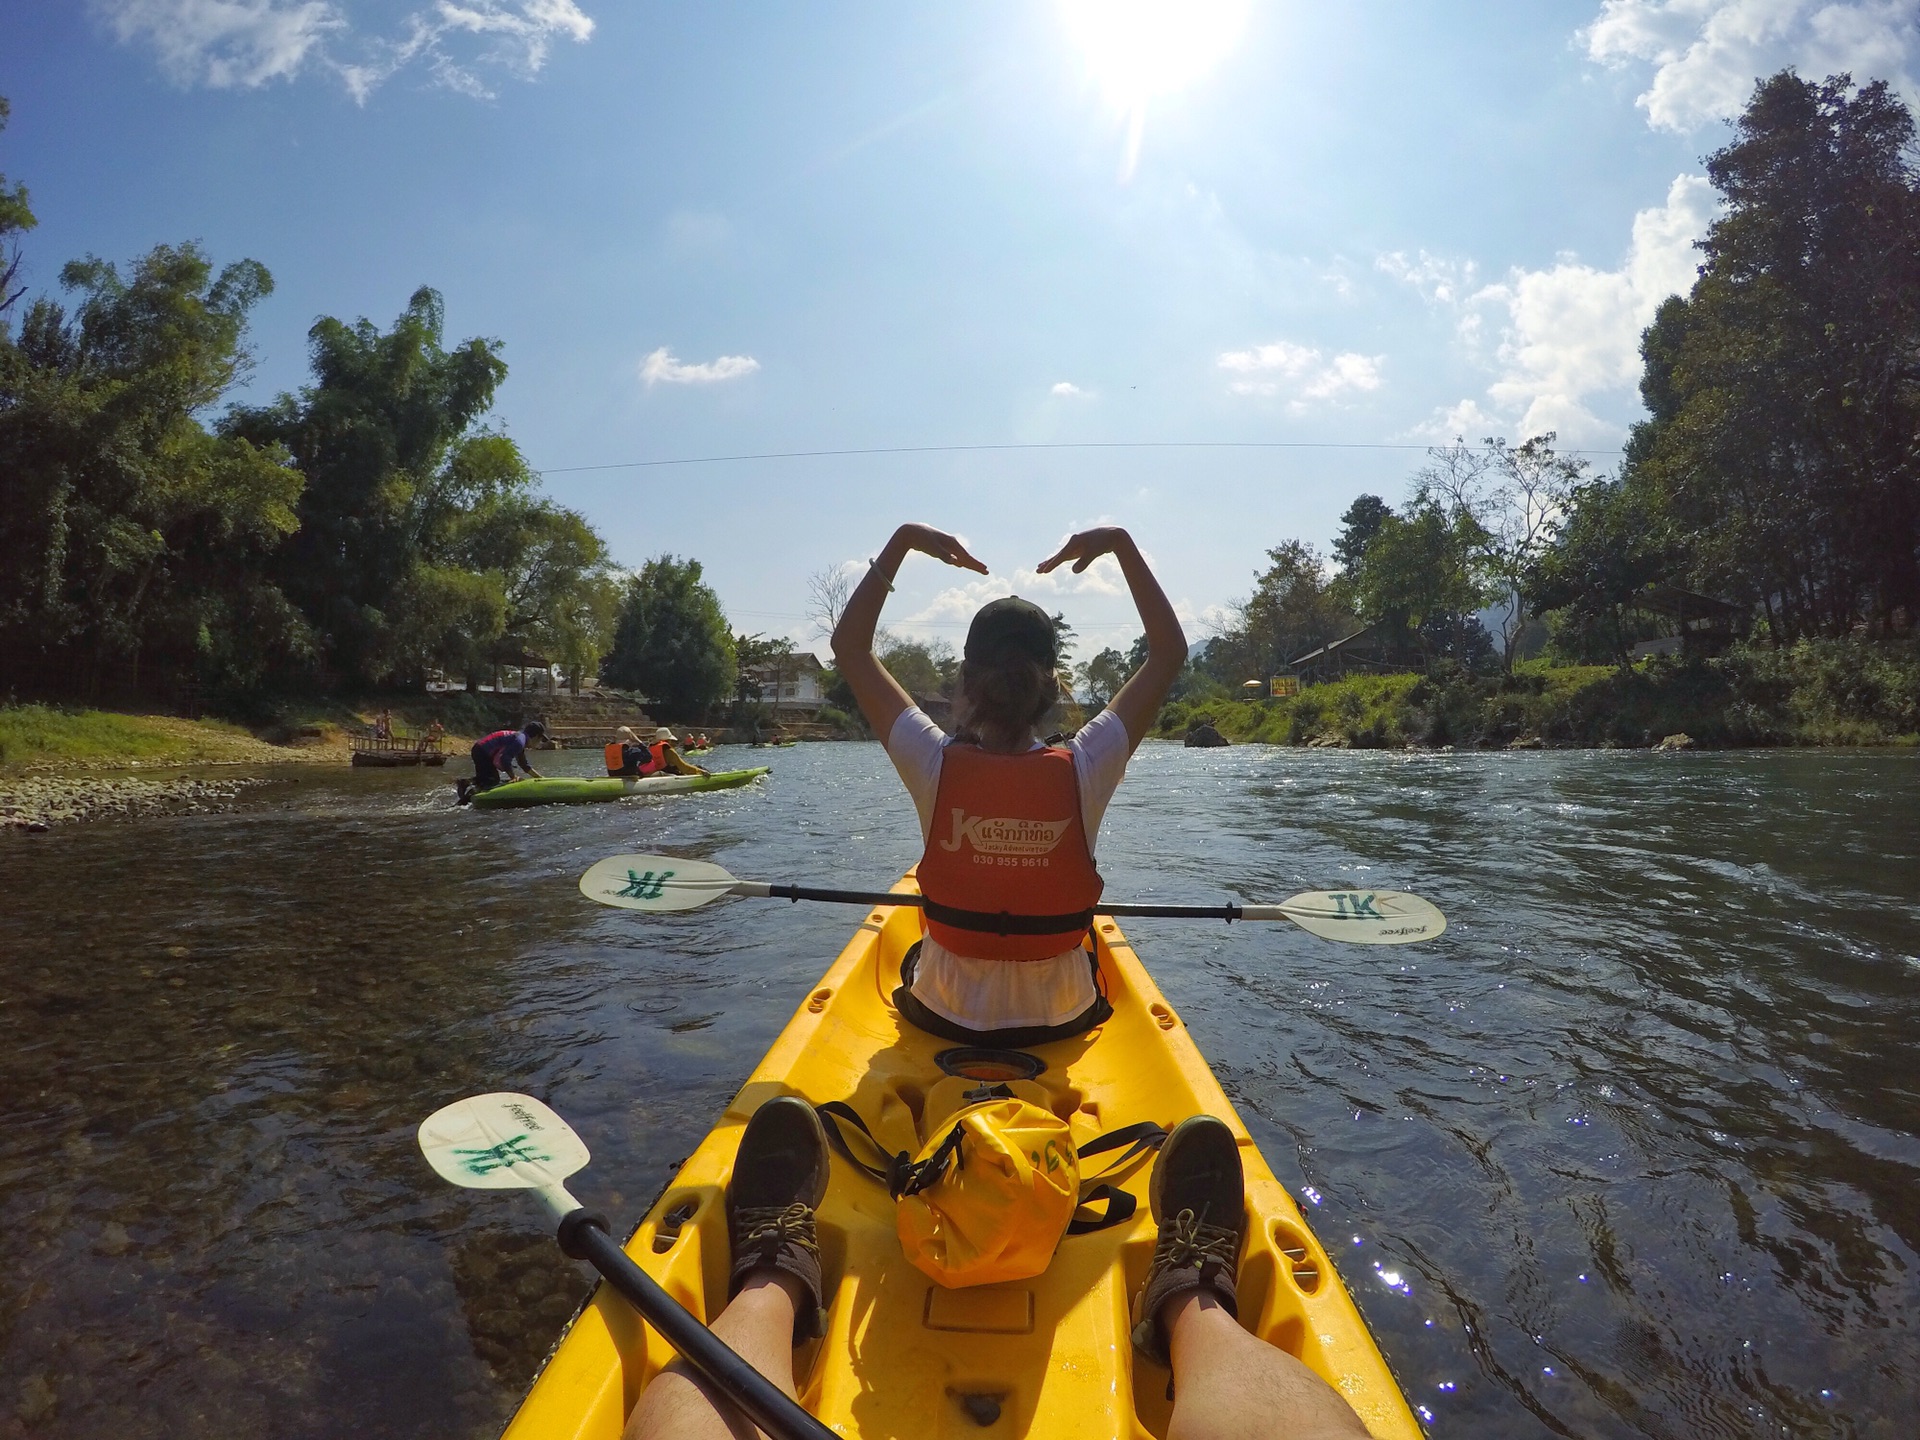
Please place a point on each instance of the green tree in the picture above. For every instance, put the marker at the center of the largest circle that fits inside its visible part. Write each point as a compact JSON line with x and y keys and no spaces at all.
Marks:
{"x":671,"y":641}
{"x":131,"y":532}
{"x":1418,"y":577}
{"x":1101,"y":676}
{"x":1783,"y":392}
{"x":16,"y":218}
{"x":1357,"y":527}
{"x":924,"y":668}
{"x":1608,"y":549}
{"x":388,"y":438}
{"x":1504,"y":502}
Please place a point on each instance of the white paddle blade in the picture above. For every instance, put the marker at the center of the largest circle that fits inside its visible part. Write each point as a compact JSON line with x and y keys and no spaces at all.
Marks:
{"x":655,"y":882}
{"x":1365,"y":917}
{"x":501,"y":1142}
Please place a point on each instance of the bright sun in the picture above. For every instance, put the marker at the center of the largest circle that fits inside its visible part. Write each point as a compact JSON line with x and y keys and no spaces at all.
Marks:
{"x":1141,"y":50}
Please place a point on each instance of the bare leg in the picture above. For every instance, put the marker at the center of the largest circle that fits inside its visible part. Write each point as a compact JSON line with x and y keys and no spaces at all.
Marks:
{"x":1229,"y":1385}
{"x":758,"y":1324}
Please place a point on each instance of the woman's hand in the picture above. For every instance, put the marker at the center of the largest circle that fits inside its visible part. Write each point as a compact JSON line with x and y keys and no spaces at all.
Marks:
{"x":937,"y":543}
{"x":1088,"y":546}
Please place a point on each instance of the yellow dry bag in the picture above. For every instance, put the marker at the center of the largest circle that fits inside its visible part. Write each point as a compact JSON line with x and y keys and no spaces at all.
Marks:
{"x":989,"y":1197}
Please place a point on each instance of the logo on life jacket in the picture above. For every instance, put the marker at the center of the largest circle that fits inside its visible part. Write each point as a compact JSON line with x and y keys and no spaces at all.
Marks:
{"x":1004,"y":836}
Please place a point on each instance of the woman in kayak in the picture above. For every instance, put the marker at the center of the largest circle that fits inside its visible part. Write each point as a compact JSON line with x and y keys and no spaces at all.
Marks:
{"x":1002,"y":965}
{"x":1009,"y":823}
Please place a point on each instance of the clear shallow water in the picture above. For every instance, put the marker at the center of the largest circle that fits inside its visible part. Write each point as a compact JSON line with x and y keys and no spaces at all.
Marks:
{"x":1633,"y":1150}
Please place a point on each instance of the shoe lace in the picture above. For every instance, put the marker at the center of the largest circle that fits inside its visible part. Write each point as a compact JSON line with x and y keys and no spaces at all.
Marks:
{"x":1190,"y":1242}
{"x":767,"y":1229}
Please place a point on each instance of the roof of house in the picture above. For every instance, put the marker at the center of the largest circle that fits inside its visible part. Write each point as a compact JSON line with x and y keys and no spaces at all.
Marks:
{"x":1332,"y":647}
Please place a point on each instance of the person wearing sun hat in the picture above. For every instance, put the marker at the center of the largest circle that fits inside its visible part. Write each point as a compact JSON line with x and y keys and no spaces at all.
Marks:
{"x":666,"y":759}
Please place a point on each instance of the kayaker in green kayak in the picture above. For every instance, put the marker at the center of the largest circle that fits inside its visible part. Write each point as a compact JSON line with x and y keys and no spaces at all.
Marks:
{"x":495,"y":755}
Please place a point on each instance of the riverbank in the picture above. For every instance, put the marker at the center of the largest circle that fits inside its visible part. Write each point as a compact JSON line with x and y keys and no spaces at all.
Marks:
{"x":58,"y":766}
{"x":1831,"y":693}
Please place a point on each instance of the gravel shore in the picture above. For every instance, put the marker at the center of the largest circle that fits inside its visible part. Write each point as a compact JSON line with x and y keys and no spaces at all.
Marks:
{"x":38,"y":802}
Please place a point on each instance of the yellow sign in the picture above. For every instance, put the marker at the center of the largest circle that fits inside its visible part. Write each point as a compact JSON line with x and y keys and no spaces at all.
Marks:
{"x":1283,"y":687}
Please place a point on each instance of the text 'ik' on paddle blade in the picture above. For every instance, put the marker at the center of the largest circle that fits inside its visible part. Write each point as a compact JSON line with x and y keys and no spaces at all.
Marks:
{"x":1366,"y":917}
{"x":654,"y":882}
{"x":501,"y":1142}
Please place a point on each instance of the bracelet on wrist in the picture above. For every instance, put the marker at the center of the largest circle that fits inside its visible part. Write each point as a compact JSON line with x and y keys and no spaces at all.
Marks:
{"x":874,"y":564}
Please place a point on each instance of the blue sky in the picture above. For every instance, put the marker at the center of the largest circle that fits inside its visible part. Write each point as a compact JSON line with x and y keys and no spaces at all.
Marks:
{"x":718,"y":229}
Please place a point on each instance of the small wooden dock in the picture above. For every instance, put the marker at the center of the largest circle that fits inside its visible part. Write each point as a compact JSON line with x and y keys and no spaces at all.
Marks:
{"x":389,"y":751}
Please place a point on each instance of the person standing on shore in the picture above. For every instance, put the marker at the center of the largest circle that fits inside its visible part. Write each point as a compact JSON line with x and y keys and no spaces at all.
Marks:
{"x":495,"y":755}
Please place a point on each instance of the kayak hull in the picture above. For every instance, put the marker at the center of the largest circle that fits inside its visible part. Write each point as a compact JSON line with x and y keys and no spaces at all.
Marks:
{"x":904,"y":1357}
{"x":582,"y":790}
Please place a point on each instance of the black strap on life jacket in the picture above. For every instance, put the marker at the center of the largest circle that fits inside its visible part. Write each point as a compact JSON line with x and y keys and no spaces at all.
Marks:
{"x":902,"y":1177}
{"x":1004,"y":922}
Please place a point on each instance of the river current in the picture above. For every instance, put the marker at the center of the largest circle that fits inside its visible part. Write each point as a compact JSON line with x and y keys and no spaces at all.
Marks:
{"x":1632,"y":1150}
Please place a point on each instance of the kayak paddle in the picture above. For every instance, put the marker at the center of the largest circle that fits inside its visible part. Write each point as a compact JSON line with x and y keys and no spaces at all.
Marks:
{"x":659,"y":883}
{"x":514,"y":1142}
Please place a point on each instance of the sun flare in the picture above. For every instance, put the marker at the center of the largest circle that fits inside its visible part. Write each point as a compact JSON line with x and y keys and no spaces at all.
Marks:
{"x":1138,"y":50}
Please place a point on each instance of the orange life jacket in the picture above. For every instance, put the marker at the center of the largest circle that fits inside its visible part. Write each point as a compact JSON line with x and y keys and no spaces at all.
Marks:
{"x":1007,"y":873}
{"x":616,"y":758}
{"x":656,"y":761}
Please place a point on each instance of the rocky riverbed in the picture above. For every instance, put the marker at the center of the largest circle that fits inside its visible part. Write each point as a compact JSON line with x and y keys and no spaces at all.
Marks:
{"x":38,"y":802}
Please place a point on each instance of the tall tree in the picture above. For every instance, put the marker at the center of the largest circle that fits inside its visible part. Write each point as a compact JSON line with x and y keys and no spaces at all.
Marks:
{"x":130,"y":531}
{"x":1418,"y":577}
{"x":1357,"y":527}
{"x":1784,"y":392}
{"x":16,"y":218}
{"x":671,"y":641}
{"x":1504,"y":502}
{"x":379,"y":435}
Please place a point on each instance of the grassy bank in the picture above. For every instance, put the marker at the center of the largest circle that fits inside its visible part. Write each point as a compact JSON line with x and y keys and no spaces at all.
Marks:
{"x":1817,"y":693}
{"x":43,"y":736}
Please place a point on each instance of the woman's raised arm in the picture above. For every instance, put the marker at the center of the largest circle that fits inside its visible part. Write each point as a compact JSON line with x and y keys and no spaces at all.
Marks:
{"x":881,"y":699}
{"x":1139,"y":700}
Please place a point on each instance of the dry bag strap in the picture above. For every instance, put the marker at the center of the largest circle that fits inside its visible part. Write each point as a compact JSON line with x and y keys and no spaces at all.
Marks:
{"x":1137,"y":1139}
{"x":1004,"y":922}
{"x":901,"y":1176}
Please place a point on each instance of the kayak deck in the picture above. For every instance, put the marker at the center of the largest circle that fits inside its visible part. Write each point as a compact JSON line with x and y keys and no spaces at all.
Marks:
{"x":582,"y":789}
{"x":1046,"y":1357}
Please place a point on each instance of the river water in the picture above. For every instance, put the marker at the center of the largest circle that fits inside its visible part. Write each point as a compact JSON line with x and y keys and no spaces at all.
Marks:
{"x":1633,"y":1150}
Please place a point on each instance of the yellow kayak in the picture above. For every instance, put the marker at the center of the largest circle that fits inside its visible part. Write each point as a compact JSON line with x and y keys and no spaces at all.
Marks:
{"x":903,"y":1357}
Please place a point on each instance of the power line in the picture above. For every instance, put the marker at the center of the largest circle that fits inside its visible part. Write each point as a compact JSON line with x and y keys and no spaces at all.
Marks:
{"x":1027,"y":445}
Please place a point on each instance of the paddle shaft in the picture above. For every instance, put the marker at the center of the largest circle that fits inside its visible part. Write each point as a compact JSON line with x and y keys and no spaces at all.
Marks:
{"x":766,"y":1404}
{"x":1228,"y":912}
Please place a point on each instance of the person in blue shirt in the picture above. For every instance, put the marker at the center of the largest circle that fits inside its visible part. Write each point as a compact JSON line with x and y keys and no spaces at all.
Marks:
{"x":495,"y":755}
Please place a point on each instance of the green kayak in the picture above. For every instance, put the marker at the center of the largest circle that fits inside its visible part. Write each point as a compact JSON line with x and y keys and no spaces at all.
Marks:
{"x":568,"y":790}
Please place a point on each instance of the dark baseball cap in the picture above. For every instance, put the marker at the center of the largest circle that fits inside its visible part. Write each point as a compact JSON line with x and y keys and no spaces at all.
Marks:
{"x":1011,"y":627}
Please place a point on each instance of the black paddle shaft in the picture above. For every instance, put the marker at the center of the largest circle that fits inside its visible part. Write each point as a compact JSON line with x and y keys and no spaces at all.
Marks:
{"x":1228,"y":912}
{"x":584,"y":1236}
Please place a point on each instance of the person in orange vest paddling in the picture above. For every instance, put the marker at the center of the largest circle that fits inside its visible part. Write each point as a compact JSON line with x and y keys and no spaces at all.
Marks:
{"x":629,"y":759}
{"x":1008,"y":873}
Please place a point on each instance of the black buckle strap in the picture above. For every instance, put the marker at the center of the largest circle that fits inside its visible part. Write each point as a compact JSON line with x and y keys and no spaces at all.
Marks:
{"x":1004,"y":922}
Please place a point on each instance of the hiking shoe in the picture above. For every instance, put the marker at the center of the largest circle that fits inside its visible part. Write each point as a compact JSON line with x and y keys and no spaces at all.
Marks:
{"x":1198,"y":1193}
{"x":779,"y":1179}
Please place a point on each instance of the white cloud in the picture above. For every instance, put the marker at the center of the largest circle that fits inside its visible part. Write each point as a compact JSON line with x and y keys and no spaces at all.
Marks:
{"x":1572,"y":331}
{"x":660,"y":368}
{"x":1439,"y":280}
{"x":1067,"y":390}
{"x":223,"y":44}
{"x":1706,"y":54}
{"x":1299,"y":371}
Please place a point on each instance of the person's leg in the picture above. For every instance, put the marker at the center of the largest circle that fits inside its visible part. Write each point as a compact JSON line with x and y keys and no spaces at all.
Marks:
{"x":779,"y":1179}
{"x":1228,"y":1385}
{"x":758,"y":1324}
